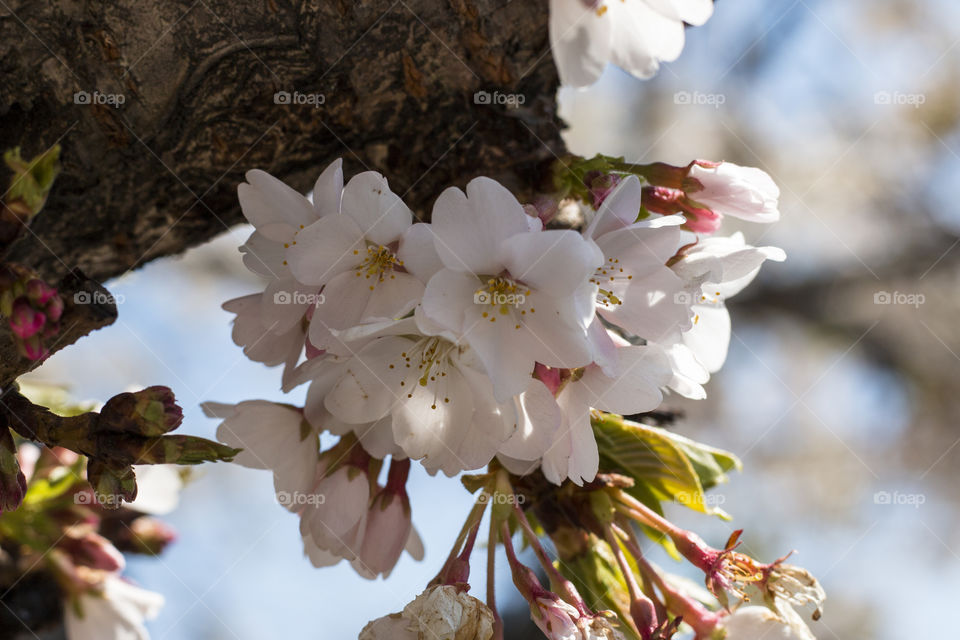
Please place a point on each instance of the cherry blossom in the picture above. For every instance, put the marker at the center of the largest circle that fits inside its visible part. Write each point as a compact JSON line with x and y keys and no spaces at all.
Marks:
{"x":516,"y":296}
{"x":635,"y":35}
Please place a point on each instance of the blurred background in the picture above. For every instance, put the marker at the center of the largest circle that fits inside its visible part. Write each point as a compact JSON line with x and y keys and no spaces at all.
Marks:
{"x":840,"y":393}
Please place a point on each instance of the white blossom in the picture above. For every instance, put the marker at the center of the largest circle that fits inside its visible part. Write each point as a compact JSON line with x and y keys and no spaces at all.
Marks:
{"x":753,"y":622}
{"x":516,"y":296}
{"x":635,"y":35}
{"x":731,"y":190}
{"x":116,"y":612}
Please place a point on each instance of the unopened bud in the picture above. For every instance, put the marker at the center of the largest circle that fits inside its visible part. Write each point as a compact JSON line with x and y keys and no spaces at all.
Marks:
{"x":111,"y":485}
{"x":25,"y":321}
{"x":94,"y":551}
{"x":150,"y":412}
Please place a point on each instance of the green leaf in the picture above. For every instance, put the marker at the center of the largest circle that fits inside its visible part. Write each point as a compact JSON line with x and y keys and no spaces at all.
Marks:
{"x":665,"y":467}
{"x":32,"y":179}
{"x":710,"y":464}
{"x":53,"y":487}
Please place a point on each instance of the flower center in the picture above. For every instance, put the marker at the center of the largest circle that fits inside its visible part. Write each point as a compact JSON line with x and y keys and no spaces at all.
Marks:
{"x":379,"y":263}
{"x":503,"y":297}
{"x":430,"y":356}
{"x":605,"y":276}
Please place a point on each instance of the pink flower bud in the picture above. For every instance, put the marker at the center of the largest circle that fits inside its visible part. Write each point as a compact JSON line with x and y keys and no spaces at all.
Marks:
{"x":94,"y":551}
{"x":25,"y":321}
{"x":39,"y":292}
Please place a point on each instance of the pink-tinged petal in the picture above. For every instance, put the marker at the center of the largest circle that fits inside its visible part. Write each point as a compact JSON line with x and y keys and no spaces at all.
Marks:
{"x":393,"y":298}
{"x":318,"y":557}
{"x":580,"y":41}
{"x":619,"y":209}
{"x":283,"y":304}
{"x":555,"y":262}
{"x":345,"y":298}
{"x":471,"y":227}
{"x":554,"y":332}
{"x":506,"y":353}
{"x":388,"y":527}
{"x":267,"y":432}
{"x":264,"y":257}
{"x":266,"y":200}
{"x":652,"y":307}
{"x":743,"y":192}
{"x":605,"y":352}
{"x":448,"y":296}
{"x":418,"y":252}
{"x":583,"y":461}
{"x":379,"y":213}
{"x":539,"y":425}
{"x":328,"y":189}
{"x":260,"y":343}
{"x":377,"y":439}
{"x":636,"y":387}
{"x":326,"y":248}
{"x":640,"y":246}
{"x":642,"y":38}
{"x":709,"y":338}
{"x":369,"y":386}
{"x":433,"y":419}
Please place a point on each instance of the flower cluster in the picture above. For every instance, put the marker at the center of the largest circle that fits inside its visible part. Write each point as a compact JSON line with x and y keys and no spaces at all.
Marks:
{"x":32,"y":309}
{"x":483,"y":335}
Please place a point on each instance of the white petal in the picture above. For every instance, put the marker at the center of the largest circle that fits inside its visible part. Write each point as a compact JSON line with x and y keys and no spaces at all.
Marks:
{"x":580,"y":41}
{"x":618,"y":210}
{"x":326,"y":248}
{"x":555,"y":262}
{"x":636,"y":388}
{"x":471,"y":227}
{"x":709,"y":338}
{"x":267,"y":200}
{"x":369,"y":386}
{"x":328,"y":189}
{"x":418,"y":251}
{"x":379,"y":213}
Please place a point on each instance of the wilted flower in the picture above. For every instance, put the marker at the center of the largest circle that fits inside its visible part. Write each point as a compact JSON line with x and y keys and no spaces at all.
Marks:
{"x":445,"y":612}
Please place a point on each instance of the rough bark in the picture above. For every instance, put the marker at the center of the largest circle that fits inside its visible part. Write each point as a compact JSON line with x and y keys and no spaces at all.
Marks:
{"x":159,"y":173}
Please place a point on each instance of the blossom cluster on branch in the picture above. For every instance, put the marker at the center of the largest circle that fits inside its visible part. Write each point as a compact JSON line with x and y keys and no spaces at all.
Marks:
{"x":493,"y":336}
